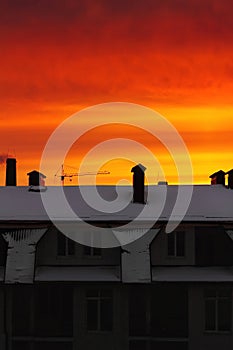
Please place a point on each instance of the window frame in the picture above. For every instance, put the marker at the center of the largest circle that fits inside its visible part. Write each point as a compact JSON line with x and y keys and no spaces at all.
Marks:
{"x":92,"y":254}
{"x":66,"y":243}
{"x":175,"y":244}
{"x":99,"y":299}
{"x":216,"y":298}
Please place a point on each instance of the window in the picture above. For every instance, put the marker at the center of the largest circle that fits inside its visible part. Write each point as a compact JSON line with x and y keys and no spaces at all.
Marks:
{"x":65,"y":246}
{"x":21,"y":310}
{"x":218,"y":310}
{"x":42,"y":310}
{"x":139,"y":311}
{"x":92,"y":251}
{"x":51,"y":345}
{"x":158,"y":312}
{"x":53,"y":315}
{"x":169,"y":311}
{"x":176,"y":244}
{"x":99,"y":305}
{"x":20,"y":345}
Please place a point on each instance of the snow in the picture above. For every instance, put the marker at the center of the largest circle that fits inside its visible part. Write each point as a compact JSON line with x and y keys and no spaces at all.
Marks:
{"x":78,"y":273}
{"x":209,"y":203}
{"x":135,"y":259}
{"x":192,"y":274}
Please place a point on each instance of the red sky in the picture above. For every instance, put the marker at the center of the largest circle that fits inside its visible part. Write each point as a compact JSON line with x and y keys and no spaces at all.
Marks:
{"x":174,"y":56}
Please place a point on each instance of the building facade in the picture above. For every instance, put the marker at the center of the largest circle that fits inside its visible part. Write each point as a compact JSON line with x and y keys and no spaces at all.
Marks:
{"x":163,"y":291}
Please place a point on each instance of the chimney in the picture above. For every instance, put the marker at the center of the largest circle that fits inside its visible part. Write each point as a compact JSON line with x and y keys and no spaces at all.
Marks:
{"x":11,"y":172}
{"x":138,"y":183}
{"x":218,"y":178}
{"x":162,"y":183}
{"x":230,"y":179}
{"x":36,"y":178}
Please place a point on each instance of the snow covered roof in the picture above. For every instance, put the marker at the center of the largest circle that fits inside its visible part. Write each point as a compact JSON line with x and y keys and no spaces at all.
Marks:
{"x":192,"y":274}
{"x":208,"y":203}
{"x":78,"y":273}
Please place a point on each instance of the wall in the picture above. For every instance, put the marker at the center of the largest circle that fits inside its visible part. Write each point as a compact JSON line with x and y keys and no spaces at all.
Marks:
{"x":46,"y":254}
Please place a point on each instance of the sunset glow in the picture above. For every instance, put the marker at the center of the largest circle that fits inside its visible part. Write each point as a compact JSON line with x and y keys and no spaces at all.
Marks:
{"x":173,"y":56}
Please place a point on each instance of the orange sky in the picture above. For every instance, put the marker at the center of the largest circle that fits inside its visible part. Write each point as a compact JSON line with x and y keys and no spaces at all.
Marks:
{"x":174,"y":56}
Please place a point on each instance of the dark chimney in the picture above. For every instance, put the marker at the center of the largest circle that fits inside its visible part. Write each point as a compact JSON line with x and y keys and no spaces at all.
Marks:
{"x":218,"y":178}
{"x":230,"y":179}
{"x":11,"y":172}
{"x":36,"y":178}
{"x":138,"y":183}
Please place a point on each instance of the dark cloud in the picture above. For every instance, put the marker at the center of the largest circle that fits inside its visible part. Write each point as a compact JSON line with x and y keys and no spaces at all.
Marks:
{"x":3,"y":158}
{"x":105,"y":22}
{"x":70,"y":49}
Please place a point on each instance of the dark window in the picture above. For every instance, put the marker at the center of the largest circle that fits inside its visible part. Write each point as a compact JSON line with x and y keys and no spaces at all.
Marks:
{"x":20,"y":345}
{"x":92,"y":251}
{"x":169,"y":311}
{"x":65,"y":246}
{"x":218,"y":310}
{"x":139,"y":309}
{"x":176,"y":244}
{"x":99,"y":310}
{"x":53,"y":346}
{"x":159,"y":311}
{"x":168,"y":345}
{"x":213,"y":247}
{"x":53,"y":310}
{"x":138,"y":345}
{"x":21,"y":310}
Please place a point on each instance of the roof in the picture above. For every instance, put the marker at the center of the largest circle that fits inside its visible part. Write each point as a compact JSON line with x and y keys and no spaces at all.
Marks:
{"x":217,"y":173}
{"x":78,"y":273}
{"x":192,"y":274}
{"x":208,"y":203}
{"x":37,"y":173}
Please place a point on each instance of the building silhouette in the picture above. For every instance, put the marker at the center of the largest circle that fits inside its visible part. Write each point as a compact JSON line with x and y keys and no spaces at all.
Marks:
{"x":162,"y":291}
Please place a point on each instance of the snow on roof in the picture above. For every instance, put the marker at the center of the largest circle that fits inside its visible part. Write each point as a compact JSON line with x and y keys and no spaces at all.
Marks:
{"x":209,"y":203}
{"x":192,"y":274}
{"x":78,"y":273}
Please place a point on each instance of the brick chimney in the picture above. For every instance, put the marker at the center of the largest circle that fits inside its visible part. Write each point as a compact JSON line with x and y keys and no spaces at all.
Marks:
{"x":11,"y":172}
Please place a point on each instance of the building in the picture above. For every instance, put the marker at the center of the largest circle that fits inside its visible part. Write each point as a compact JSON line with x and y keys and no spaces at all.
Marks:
{"x":163,"y":291}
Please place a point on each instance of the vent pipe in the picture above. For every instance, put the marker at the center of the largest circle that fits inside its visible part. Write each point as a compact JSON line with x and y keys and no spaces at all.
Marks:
{"x":138,"y":183}
{"x":11,"y":172}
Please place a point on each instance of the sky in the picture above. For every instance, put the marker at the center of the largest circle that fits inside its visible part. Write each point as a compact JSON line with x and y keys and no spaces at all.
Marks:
{"x":174,"y":56}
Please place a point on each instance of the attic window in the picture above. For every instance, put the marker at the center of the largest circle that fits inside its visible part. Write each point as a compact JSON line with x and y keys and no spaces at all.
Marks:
{"x":65,"y":246}
{"x":92,"y":252}
{"x":176,"y":244}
